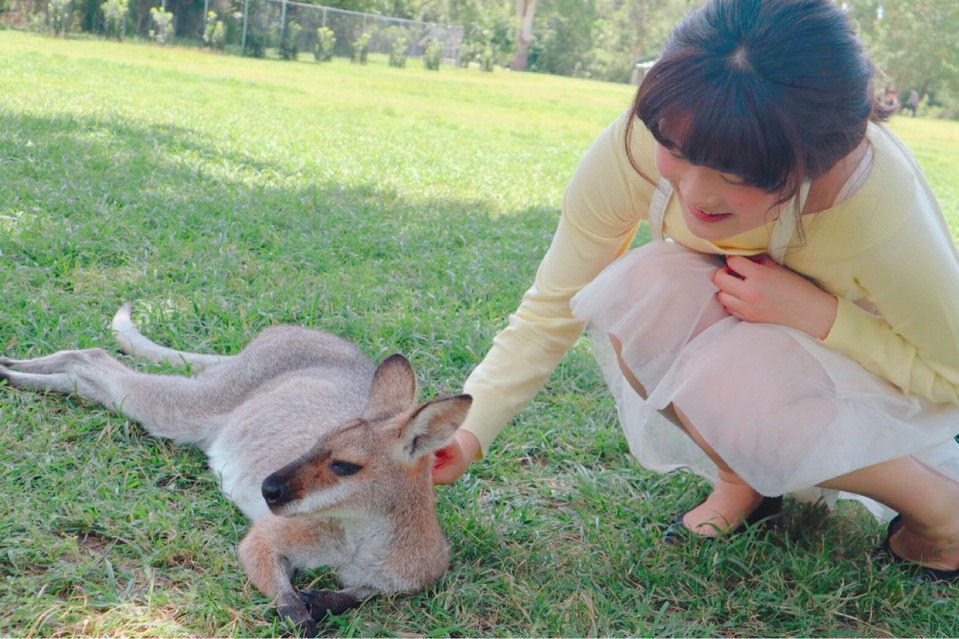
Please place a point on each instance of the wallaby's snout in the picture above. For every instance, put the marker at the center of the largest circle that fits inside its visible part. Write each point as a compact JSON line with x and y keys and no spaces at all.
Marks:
{"x":337,"y":472}
{"x":311,"y":476}
{"x":275,"y":491}
{"x":288,"y":484}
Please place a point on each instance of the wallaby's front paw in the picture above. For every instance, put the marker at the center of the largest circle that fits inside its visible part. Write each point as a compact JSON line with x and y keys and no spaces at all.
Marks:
{"x":320,"y":603}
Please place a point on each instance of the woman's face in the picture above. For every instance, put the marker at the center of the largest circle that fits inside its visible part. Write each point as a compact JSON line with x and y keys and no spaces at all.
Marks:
{"x":715,"y":205}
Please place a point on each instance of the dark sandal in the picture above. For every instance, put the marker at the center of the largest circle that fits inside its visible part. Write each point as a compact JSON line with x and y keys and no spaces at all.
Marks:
{"x":884,"y":554}
{"x":769,"y":507}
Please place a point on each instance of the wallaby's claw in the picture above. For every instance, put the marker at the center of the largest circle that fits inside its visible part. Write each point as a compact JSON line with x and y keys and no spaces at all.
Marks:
{"x":299,"y":620}
{"x":321,"y":603}
{"x":307,"y":629}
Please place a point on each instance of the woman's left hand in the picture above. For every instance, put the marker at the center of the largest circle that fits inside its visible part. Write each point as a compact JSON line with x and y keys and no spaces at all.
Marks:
{"x":758,"y":289}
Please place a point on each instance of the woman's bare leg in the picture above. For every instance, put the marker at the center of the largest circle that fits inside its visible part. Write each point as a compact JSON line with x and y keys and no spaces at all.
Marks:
{"x":731,"y":499}
{"x":927,"y":500}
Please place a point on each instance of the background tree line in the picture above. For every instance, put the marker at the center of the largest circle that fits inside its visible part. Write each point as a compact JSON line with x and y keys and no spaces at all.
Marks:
{"x":915,"y":43}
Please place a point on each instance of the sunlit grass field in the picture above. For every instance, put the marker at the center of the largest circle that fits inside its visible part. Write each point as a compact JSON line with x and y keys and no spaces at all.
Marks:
{"x":405,"y":210}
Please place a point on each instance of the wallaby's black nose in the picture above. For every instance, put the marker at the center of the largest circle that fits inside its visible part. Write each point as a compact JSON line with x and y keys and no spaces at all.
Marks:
{"x":274,"y":491}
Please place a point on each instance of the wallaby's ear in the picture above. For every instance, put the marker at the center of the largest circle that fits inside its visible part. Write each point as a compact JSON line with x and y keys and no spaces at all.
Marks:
{"x":433,"y":425}
{"x":393,"y":390}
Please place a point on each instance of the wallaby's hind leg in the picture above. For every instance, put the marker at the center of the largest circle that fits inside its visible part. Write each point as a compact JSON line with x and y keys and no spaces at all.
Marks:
{"x":65,"y":372}
{"x":167,"y":406}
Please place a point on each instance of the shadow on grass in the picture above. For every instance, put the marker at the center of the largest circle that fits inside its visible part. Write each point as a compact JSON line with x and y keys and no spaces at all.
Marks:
{"x":95,"y":212}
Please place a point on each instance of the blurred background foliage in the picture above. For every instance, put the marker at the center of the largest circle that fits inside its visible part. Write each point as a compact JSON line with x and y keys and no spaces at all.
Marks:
{"x":915,"y":43}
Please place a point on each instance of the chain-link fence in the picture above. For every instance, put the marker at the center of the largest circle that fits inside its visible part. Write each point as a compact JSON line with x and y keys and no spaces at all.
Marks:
{"x":292,"y":26}
{"x":255,"y":25}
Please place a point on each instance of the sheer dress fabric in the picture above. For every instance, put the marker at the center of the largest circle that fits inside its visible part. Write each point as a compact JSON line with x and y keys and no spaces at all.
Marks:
{"x":782,"y":410}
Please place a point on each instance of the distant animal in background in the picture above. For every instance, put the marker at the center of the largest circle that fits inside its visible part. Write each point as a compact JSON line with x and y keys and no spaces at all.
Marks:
{"x":327,"y":454}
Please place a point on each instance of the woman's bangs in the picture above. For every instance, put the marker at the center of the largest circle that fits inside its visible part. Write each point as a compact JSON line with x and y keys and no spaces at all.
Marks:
{"x":727,"y":136}
{"x":716,"y":123}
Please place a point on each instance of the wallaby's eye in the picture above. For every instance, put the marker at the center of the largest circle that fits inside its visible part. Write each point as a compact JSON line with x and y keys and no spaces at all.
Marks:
{"x":344,"y":468}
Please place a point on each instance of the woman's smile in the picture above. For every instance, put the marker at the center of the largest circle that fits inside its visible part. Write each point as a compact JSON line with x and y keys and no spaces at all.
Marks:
{"x":708,"y":216}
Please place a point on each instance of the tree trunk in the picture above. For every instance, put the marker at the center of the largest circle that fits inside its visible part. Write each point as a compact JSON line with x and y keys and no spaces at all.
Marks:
{"x":525,"y":11}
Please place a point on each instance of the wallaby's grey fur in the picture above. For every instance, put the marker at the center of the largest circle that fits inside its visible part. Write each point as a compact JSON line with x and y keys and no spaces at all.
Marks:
{"x":360,"y":500}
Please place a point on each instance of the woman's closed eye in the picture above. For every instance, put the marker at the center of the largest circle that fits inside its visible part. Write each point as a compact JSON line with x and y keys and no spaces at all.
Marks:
{"x":733,"y":179}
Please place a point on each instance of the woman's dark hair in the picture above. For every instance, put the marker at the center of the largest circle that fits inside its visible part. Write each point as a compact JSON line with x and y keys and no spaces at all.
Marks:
{"x":772,"y":91}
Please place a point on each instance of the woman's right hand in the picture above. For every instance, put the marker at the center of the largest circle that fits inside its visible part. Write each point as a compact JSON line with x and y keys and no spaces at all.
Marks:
{"x":450,"y":462}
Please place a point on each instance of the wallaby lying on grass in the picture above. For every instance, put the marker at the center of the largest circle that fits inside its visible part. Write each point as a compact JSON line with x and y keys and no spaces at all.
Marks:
{"x":328,"y":455}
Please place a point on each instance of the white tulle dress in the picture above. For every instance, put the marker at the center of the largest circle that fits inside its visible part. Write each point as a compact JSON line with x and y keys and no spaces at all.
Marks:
{"x":782,"y":410}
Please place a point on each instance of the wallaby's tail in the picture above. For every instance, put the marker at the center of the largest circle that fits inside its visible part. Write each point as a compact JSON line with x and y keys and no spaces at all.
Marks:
{"x":132,"y":342}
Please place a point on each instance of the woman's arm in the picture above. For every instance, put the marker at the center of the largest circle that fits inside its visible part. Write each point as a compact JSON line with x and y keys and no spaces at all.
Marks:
{"x":602,"y":208}
{"x":913,"y":338}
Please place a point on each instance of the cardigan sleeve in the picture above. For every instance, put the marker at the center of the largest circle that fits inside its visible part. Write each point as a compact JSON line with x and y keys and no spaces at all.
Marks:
{"x":912,"y":340}
{"x":907,"y":272}
{"x":602,"y":207}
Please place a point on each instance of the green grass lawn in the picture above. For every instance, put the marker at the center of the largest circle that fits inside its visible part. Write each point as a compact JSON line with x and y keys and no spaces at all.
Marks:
{"x":407,"y":211}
